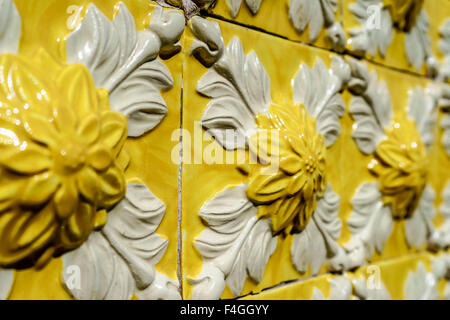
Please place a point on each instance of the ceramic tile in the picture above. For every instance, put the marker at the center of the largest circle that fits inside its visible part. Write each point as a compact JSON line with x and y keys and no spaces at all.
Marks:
{"x":350,"y":199}
{"x":148,"y":216}
{"x":395,"y":96}
{"x":376,"y":225}
{"x":203,"y":184}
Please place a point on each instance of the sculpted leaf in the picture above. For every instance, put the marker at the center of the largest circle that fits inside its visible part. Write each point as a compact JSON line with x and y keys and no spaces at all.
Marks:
{"x":123,"y":59}
{"x":253,"y":5}
{"x":444,"y":47}
{"x":6,"y":282}
{"x":371,"y":108}
{"x":240,"y":88}
{"x":317,"y":243}
{"x":370,"y":38}
{"x":235,"y":244}
{"x":445,"y":124}
{"x":417,"y":42}
{"x":318,"y":89}
{"x":138,"y":97}
{"x":421,"y":108}
{"x":10,"y":27}
{"x":317,"y":14}
{"x":370,"y":224}
{"x":421,"y":285}
{"x":119,"y":260}
{"x":235,"y":5}
{"x":445,"y":211}
{"x":104,"y":274}
{"x":419,"y":228}
{"x":303,"y":13}
{"x":253,"y":257}
{"x":340,"y":289}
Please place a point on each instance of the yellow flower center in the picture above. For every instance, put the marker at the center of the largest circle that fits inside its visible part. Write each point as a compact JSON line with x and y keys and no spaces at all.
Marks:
{"x":71,"y":158}
{"x":401,"y":165}
{"x":61,"y":159}
{"x":287,"y":143}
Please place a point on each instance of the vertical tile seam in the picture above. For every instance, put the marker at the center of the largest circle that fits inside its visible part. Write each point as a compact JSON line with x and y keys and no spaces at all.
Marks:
{"x":180,"y":165}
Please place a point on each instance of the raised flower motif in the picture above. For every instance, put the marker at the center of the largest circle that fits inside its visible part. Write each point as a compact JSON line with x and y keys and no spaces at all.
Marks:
{"x":284,"y":187}
{"x":401,"y":165}
{"x":398,"y":145}
{"x":289,"y":195}
{"x":61,"y":158}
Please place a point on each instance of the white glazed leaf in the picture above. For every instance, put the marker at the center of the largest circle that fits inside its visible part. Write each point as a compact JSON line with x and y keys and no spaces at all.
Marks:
{"x":119,"y":260}
{"x":417,"y":42}
{"x":371,"y":107}
{"x":315,"y":15}
{"x":240,"y":88}
{"x":10,"y":27}
{"x":370,"y":224}
{"x":234,"y":245}
{"x":444,"y":47}
{"x":318,"y":89}
{"x":421,"y":285}
{"x":367,"y":38}
{"x":125,"y":61}
{"x":421,"y":108}
{"x":445,"y":212}
{"x":419,"y":228}
{"x":317,"y":243}
{"x":6,"y":282}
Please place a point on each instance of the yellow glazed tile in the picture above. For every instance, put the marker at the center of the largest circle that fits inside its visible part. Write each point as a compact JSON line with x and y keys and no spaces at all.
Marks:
{"x":378,"y":225}
{"x":408,"y":277}
{"x":398,"y":34}
{"x":202,"y":182}
{"x":151,"y":176}
{"x":359,"y":171}
{"x":318,"y":22}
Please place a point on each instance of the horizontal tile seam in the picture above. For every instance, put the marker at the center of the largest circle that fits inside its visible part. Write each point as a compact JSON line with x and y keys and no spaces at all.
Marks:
{"x":206,"y":14}
{"x":297,"y":281}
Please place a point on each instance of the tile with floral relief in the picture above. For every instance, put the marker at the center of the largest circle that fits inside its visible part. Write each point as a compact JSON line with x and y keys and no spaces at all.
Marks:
{"x":314,"y":21}
{"x":247,"y":225}
{"x":398,"y":34}
{"x":97,"y":86}
{"x":393,"y":167}
{"x":412,"y":277}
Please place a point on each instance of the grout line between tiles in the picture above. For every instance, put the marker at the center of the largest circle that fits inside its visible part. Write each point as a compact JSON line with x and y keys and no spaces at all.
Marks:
{"x":345,"y":52}
{"x":180,"y":165}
